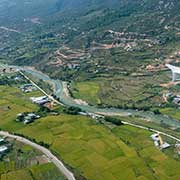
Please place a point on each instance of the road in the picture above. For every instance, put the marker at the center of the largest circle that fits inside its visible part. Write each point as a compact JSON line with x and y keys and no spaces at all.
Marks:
{"x":68,"y":174}
{"x":127,"y":123}
{"x":153,"y":130}
{"x":46,"y":94}
{"x":130,"y":124}
{"x":53,"y":158}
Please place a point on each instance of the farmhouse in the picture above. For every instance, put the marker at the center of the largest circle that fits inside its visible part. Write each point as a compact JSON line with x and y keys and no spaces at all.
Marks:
{"x":27,"y":118}
{"x":158,"y":142}
{"x":27,"y":88}
{"x":2,"y":140}
{"x":176,"y":100}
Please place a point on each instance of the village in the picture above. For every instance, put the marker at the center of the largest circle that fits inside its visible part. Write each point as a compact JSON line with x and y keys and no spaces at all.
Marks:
{"x":42,"y":101}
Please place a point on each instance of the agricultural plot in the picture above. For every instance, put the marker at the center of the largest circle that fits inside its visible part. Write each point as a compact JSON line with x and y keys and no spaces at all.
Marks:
{"x":13,"y":102}
{"x":93,"y":150}
{"x":123,"y":91}
{"x":98,"y":153}
{"x":24,"y":162}
{"x":37,"y":172}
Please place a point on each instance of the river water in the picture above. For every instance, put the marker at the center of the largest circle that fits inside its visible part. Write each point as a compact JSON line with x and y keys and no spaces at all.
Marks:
{"x":67,"y":100}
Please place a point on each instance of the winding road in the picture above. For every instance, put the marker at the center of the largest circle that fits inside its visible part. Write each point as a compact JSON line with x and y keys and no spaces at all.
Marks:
{"x":68,"y":174}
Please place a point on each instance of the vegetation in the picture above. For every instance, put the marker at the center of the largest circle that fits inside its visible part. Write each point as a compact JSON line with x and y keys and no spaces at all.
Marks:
{"x":172,"y":112}
{"x":72,"y":110}
{"x":113,"y":120}
{"x":88,"y":91}
{"x":119,"y":152}
{"x":103,"y":45}
{"x":114,"y":54}
{"x":24,"y":162}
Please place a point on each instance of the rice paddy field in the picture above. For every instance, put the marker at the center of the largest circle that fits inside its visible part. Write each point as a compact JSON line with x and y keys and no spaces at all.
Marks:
{"x":24,"y":162}
{"x":37,"y":172}
{"x":90,"y":148}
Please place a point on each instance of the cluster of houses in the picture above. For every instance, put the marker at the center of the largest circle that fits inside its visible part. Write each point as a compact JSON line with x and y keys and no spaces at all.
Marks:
{"x":27,"y":88}
{"x":3,"y":147}
{"x":158,"y":142}
{"x":7,"y":70}
{"x":175,"y":98}
{"x":27,"y":118}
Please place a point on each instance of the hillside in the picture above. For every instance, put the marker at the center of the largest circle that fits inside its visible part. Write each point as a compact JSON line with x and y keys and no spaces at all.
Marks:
{"x":79,"y":40}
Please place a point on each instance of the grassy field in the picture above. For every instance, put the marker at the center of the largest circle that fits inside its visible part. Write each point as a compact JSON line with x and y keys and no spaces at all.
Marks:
{"x":12,"y":102}
{"x":87,"y":91}
{"x":96,"y":152}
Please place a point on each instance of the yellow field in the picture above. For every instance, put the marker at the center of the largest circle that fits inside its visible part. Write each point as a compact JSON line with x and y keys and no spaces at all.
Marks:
{"x":95,"y":151}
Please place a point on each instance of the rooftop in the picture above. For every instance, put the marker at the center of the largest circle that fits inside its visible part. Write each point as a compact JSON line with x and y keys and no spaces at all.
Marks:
{"x":3,"y":149}
{"x":1,"y":139}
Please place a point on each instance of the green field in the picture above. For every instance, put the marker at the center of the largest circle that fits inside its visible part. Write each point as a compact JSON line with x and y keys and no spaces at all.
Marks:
{"x":123,"y":91}
{"x":38,"y":172}
{"x":24,"y":162}
{"x":93,"y":150}
{"x":12,"y":102}
{"x":87,"y":91}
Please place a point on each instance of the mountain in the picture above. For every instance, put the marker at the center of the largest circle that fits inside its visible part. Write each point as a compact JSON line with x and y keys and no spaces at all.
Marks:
{"x":156,"y":20}
{"x":89,"y":39}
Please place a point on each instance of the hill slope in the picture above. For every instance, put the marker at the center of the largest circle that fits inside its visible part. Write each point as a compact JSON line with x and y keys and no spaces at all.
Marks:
{"x":117,"y":41}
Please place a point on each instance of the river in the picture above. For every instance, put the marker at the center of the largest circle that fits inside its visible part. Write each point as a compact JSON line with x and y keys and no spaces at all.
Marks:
{"x":69,"y":101}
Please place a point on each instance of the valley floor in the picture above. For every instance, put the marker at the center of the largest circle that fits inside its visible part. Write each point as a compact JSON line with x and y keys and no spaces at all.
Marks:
{"x":90,"y":148}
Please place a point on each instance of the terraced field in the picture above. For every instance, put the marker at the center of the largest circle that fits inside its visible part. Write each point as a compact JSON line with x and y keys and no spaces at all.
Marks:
{"x":24,"y":162}
{"x":37,"y":172}
{"x":93,"y":150}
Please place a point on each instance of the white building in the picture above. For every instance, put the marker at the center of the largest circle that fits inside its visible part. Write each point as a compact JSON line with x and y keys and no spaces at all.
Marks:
{"x":40,"y":100}
{"x":2,"y":140}
{"x":158,"y":142}
{"x":3,"y":149}
{"x":155,"y":137}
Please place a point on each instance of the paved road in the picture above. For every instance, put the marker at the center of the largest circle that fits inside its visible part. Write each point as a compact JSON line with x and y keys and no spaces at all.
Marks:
{"x":68,"y":174}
